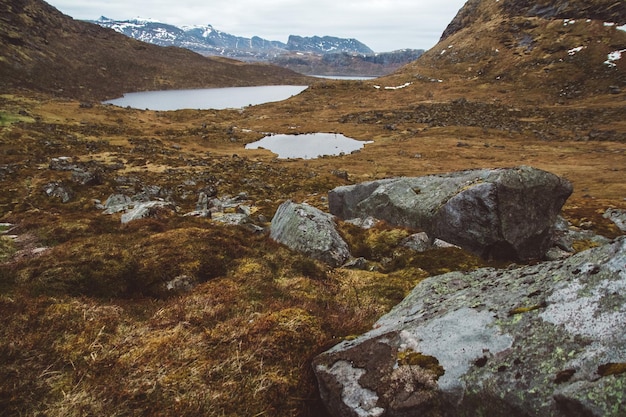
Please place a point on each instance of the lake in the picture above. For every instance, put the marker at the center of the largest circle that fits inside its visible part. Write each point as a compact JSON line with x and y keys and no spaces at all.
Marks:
{"x":308,"y":146}
{"x":207,"y":98}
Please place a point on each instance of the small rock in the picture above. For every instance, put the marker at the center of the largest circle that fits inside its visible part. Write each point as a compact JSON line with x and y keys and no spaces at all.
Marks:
{"x":614,"y":89}
{"x":86,"y":177}
{"x":59,"y":190}
{"x":618,"y":217}
{"x":116,"y":203}
{"x":62,"y":163}
{"x":147,"y":209}
{"x":182,"y":283}
{"x":419,"y":242}
{"x":356,"y":263}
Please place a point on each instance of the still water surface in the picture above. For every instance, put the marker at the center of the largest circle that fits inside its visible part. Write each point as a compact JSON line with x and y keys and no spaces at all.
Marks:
{"x":208,"y":98}
{"x":309,"y":146}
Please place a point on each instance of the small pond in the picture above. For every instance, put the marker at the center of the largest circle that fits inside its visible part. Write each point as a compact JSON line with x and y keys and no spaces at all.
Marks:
{"x":308,"y":146}
{"x":207,"y":98}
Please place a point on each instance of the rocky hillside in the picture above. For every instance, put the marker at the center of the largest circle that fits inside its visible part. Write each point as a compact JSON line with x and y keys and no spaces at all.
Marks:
{"x":347,"y":64}
{"x":44,"y":50}
{"x":565,"y":49}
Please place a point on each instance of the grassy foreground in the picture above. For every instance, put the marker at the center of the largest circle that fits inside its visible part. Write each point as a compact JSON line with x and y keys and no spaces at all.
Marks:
{"x":88,"y":327}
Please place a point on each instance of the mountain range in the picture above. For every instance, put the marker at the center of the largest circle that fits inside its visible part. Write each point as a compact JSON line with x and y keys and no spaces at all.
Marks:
{"x":342,"y":56}
{"x":207,"y":40}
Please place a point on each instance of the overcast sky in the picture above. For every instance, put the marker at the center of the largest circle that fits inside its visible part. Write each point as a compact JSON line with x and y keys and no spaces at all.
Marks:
{"x":383,"y":25}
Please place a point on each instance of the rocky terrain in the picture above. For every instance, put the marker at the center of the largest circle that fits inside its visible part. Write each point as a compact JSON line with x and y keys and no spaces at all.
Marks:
{"x":143,"y":269}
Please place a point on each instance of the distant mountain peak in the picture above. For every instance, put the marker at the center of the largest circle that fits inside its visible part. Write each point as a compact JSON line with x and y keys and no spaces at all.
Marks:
{"x":207,"y":40}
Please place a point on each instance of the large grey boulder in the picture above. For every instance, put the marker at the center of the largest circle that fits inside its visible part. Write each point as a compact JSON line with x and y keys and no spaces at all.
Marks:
{"x":499,"y":213}
{"x":546,"y":340}
{"x":306,"y":229}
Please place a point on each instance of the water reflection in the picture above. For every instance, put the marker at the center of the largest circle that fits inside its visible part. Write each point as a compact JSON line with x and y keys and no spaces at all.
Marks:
{"x":308,"y":146}
{"x":207,"y":98}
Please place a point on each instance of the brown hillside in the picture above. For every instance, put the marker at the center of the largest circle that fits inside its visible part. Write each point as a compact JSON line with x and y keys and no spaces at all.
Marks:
{"x":529,"y":50}
{"x":43,"y":49}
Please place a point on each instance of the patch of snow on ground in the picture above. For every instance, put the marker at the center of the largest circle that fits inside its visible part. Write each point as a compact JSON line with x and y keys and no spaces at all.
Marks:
{"x":622,"y":28}
{"x":398,"y":87}
{"x":609,"y":24}
{"x":573,"y":51}
{"x":614,"y":56}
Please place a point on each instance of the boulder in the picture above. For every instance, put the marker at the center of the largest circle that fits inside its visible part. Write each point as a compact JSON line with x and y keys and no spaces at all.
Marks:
{"x":496,"y":213}
{"x":545,"y":340}
{"x":306,"y":229}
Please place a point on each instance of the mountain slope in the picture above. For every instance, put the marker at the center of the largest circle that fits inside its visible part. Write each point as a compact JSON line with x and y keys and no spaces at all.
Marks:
{"x":560,"y":49}
{"x":42,"y":49}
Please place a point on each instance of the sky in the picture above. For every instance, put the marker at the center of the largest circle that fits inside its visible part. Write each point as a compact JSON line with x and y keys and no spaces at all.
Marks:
{"x":383,"y":25}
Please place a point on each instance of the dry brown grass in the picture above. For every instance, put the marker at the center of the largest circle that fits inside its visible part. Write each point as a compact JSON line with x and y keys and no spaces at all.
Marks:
{"x":89,"y":328}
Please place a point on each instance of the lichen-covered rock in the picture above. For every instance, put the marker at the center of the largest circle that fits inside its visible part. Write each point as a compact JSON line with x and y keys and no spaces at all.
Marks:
{"x":59,"y":190}
{"x":306,"y":229}
{"x":499,"y":213}
{"x":116,"y":203}
{"x":617,"y":216}
{"x":540,"y":341}
{"x":148,"y":209}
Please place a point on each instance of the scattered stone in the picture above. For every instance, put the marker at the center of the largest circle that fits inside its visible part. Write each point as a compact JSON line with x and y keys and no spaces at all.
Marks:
{"x":59,"y":190}
{"x":419,"y":242}
{"x":233,"y":219}
{"x":116,"y":203}
{"x":496,"y":213}
{"x":243,"y":209}
{"x":356,"y":263}
{"x":181,"y":283}
{"x":203,"y":202}
{"x":306,"y":229}
{"x":148,"y":209}
{"x":340,"y":174}
{"x":541,"y":340}
{"x":440,"y":244}
{"x":62,"y":163}
{"x":86,"y":177}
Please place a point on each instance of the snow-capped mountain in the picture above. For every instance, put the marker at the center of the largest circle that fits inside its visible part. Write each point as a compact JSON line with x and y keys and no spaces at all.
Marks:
{"x":207,"y":40}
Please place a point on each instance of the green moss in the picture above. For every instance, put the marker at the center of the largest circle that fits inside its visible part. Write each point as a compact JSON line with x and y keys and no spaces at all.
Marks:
{"x":522,"y":310}
{"x":582,"y":245}
{"x":7,"y":248}
{"x":428,"y":362}
{"x":8,"y":118}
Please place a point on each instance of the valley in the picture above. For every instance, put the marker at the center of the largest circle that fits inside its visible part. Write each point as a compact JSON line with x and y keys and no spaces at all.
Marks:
{"x":189,"y":315}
